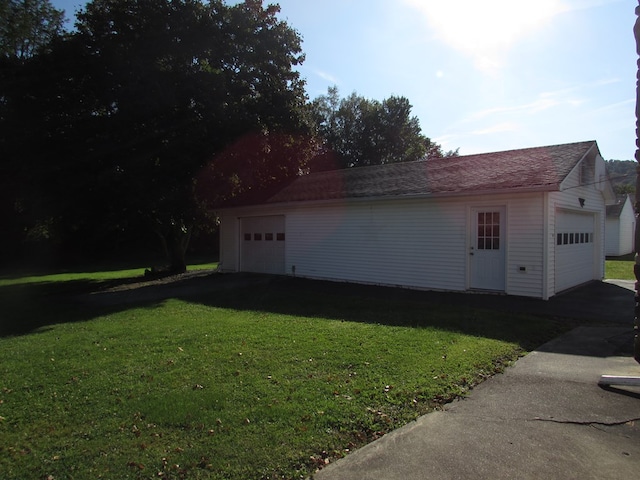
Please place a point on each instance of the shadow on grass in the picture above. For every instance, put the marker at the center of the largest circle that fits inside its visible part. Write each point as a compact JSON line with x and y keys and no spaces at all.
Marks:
{"x":529,"y":322}
{"x":623,"y":258}
{"x":28,"y":307}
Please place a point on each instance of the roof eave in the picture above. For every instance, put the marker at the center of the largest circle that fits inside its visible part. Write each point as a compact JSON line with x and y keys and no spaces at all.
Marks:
{"x":451,"y":194}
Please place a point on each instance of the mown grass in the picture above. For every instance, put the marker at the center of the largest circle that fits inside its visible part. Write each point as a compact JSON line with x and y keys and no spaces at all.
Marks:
{"x":268,"y":380}
{"x":620,"y":268}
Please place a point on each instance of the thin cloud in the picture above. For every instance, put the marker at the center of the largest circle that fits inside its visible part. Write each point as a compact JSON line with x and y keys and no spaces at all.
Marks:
{"x":497,"y":128}
{"x":572,"y":96}
{"x":615,"y":106}
{"x":563,"y":92}
{"x":326,"y":76}
{"x":448,"y":141}
{"x":533,"y":107}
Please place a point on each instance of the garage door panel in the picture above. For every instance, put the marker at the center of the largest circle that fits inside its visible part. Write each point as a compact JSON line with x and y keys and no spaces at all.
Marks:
{"x":263,"y":244}
{"x":574,"y":258}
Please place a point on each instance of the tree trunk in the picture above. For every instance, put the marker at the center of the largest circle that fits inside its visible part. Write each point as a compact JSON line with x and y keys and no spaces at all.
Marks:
{"x":175,"y":242}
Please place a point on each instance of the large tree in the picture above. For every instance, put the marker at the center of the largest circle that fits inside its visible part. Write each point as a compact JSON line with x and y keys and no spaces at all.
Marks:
{"x":357,"y":131}
{"x":149,"y":95}
{"x":28,"y":28}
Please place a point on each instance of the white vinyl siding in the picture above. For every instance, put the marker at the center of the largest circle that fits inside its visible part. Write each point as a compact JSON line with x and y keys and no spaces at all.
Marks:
{"x":612,"y":242}
{"x":229,"y":242}
{"x":627,"y":229}
{"x":417,"y":244}
{"x":525,"y":245}
{"x":411,"y":243}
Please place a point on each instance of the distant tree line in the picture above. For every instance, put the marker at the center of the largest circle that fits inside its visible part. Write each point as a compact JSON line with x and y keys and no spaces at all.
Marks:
{"x":150,"y":114}
{"x":623,"y":175}
{"x":357,"y":132}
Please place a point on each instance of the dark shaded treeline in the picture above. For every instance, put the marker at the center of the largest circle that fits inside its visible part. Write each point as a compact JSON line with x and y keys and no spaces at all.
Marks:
{"x":122,"y":137}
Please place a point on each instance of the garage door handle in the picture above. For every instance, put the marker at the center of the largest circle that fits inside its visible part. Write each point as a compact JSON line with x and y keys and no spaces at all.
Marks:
{"x":471,"y":253}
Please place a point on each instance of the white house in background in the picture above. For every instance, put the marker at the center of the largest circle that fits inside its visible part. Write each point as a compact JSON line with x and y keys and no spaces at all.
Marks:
{"x":527,"y":222}
{"x":620,"y":227}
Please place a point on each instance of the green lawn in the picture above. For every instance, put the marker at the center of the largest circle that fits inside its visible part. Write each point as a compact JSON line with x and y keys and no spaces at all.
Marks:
{"x":269,"y":380}
{"x":620,"y":268}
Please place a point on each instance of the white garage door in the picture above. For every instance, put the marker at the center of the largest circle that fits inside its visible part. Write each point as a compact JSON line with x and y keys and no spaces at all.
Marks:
{"x":262,"y":240}
{"x":574,"y":248}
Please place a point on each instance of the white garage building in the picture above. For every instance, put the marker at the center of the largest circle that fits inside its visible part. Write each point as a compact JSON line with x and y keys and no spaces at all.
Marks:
{"x":527,"y":222}
{"x":620,"y":227}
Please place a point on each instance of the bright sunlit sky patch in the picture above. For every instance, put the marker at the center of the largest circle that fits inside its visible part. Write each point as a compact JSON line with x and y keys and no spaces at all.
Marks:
{"x":481,"y":76}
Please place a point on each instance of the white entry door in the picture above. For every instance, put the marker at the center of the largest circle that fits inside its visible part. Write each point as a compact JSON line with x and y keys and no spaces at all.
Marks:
{"x":487,"y":248}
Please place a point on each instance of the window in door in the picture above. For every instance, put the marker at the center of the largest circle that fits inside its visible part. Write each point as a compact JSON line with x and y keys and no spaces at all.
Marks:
{"x":488,"y":231}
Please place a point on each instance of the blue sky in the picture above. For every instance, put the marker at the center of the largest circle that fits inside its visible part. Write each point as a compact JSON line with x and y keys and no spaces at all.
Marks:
{"x":481,"y":76}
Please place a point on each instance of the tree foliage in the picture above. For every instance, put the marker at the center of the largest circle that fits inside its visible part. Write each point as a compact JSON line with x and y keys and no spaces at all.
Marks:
{"x":356,"y":131}
{"x":127,"y":112}
{"x":27,"y":26}
{"x":623,"y":175}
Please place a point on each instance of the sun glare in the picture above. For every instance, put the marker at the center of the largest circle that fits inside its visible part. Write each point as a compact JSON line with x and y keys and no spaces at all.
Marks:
{"x":485,"y":30}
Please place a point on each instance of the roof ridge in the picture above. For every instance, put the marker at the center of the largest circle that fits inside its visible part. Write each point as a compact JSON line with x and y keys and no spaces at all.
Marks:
{"x":432,"y":159}
{"x":543,"y":167}
{"x":585,"y":142}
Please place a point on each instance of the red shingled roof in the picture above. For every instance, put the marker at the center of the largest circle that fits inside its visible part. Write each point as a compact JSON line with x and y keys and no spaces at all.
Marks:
{"x":540,"y":167}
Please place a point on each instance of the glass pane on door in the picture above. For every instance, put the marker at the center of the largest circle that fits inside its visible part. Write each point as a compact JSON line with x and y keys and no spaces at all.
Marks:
{"x":488,"y":231}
